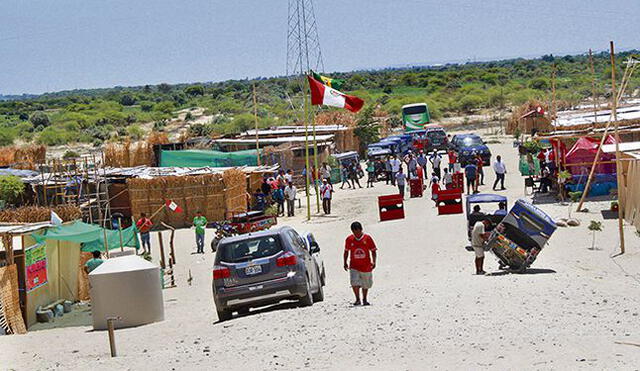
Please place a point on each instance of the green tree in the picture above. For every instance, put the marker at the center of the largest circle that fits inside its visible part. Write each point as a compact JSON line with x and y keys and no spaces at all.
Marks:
{"x":11,"y":187}
{"x":40,"y":119}
{"x":164,"y":88}
{"x":194,"y":90}
{"x":127,"y":100}
{"x":165,"y":107}
{"x":367,"y":129}
{"x":135,"y":132}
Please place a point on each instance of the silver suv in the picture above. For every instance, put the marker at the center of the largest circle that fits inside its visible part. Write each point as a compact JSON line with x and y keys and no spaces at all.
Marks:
{"x":264,"y":268}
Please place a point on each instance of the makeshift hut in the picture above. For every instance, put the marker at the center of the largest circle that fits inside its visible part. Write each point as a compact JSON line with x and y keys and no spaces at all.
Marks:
{"x":579,"y":158}
{"x":528,"y":118}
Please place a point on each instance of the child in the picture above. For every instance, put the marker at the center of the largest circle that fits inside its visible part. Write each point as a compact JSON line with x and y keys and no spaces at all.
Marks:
{"x":435,"y":186}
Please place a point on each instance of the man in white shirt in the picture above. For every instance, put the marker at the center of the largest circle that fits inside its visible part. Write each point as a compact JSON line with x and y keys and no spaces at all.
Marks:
{"x":395,"y":168}
{"x":478,"y":238}
{"x":436,"y":159}
{"x":326,"y":189}
{"x":290,"y":195}
{"x":325,"y":171}
{"x":500,"y":170}
{"x":288,"y":177}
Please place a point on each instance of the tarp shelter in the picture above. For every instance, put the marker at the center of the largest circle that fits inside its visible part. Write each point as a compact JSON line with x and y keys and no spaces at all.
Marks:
{"x":582,"y":154}
{"x":202,"y":158}
{"x":91,"y":236}
{"x":129,"y":288}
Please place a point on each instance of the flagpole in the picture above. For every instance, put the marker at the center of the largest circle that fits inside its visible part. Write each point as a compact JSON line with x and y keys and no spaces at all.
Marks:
{"x":315,"y":158}
{"x":255,"y":117}
{"x":306,"y":145}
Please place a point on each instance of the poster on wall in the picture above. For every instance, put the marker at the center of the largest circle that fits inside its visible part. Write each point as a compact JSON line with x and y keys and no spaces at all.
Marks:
{"x":36,"y":266}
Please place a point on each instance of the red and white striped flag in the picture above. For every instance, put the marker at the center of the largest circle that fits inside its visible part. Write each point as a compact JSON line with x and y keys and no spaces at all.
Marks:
{"x":325,"y":95}
{"x":173,"y":206}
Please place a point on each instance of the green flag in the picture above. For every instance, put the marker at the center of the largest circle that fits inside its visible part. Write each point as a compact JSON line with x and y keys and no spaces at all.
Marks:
{"x":332,"y":83}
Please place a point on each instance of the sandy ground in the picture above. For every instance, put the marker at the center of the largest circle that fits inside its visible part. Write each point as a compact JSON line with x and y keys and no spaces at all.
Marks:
{"x":428,"y":310}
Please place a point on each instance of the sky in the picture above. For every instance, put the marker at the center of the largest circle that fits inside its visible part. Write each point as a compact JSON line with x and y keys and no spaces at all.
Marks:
{"x":48,"y":45}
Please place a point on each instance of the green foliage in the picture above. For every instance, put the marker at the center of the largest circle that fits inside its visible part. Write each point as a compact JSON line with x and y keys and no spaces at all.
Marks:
{"x":367,"y":130}
{"x":135,"y":132}
{"x":194,"y":90}
{"x":595,"y":226}
{"x":165,"y":107}
{"x":39,"y":118}
{"x":7,"y":137}
{"x":54,"y":136}
{"x":532,"y":146}
{"x":575,"y":196}
{"x":127,"y":100}
{"x":11,"y":187}
{"x":69,"y":154}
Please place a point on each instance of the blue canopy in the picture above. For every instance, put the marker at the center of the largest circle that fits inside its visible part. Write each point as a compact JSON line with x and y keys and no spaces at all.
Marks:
{"x":481,"y":198}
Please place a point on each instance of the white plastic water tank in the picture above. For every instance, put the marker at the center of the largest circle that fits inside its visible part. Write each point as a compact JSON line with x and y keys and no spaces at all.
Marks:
{"x":127,"y":287}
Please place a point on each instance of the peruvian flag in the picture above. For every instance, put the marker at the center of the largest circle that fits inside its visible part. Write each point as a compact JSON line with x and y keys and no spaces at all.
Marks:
{"x":173,"y":206}
{"x":324,"y":95}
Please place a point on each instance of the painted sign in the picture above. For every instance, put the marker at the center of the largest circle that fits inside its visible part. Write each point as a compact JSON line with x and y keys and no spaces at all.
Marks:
{"x":36,"y":266}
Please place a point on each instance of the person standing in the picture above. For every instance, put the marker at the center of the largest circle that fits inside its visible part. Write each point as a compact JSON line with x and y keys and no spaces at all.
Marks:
{"x":371,"y":172}
{"x":290,"y":195}
{"x":326,"y":189}
{"x":344,"y":174}
{"x":401,"y":181}
{"x":361,"y":253}
{"x":288,"y":177}
{"x":353,"y":174}
{"x":479,"y":165}
{"x":422,"y":161}
{"x":266,"y":190}
{"x":478,"y":238}
{"x":500,"y":169}
{"x":387,"y":171}
{"x":453,"y":158}
{"x":94,"y":262}
{"x":434,"y":183}
{"x":199,"y":222}
{"x":436,"y":160}
{"x":396,"y":166}
{"x":412,"y":165}
{"x":447,"y":179}
{"x":144,"y":225}
{"x":325,"y":171}
{"x":470,"y":173}
{"x":278,"y":197}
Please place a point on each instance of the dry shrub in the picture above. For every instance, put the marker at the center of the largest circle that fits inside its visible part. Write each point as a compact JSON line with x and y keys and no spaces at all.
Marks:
{"x":336,"y":118}
{"x":34,"y":214}
{"x":130,"y":154}
{"x":23,"y":157}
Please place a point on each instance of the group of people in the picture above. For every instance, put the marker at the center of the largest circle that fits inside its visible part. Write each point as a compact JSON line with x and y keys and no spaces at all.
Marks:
{"x":474,"y":173}
{"x":279,"y":190}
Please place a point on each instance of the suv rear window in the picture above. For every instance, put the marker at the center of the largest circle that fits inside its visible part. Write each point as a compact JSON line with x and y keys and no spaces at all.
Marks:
{"x":436,"y":134}
{"x":250,"y":249}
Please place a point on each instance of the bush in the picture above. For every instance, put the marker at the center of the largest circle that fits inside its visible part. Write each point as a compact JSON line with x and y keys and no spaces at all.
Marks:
{"x":6,"y":137}
{"x":135,"y":132}
{"x":165,"y":107}
{"x":53,"y":136}
{"x":127,"y":100}
{"x":69,"y":154}
{"x":40,"y":119}
{"x":11,"y":187}
{"x":146,"y":106}
{"x":470,"y":102}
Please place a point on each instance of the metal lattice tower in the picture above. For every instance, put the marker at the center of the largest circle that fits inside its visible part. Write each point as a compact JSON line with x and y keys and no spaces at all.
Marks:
{"x":303,"y":43}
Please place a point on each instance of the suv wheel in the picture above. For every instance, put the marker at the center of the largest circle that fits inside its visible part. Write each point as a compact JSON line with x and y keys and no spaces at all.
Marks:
{"x":224,"y":315}
{"x":319,"y":296}
{"x":307,"y":300}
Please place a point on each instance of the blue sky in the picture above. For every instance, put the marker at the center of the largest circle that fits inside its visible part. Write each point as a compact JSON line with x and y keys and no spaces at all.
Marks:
{"x":50,"y":45}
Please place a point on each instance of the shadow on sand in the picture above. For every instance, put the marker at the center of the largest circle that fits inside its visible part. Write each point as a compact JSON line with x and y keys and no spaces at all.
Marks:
{"x":267,"y":309}
{"x":528,"y":271}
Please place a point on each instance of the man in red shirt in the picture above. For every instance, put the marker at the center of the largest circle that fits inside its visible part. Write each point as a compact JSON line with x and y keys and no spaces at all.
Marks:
{"x":144,"y":225}
{"x":362,"y":250}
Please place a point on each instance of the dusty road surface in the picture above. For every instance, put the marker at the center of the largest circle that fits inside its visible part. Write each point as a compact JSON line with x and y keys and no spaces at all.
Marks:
{"x":577,"y":309}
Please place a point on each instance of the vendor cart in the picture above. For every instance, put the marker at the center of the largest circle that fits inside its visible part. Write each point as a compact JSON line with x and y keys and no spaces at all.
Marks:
{"x":252,"y":221}
{"x":520,"y":236}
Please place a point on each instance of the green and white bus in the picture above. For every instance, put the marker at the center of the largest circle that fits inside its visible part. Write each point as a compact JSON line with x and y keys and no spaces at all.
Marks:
{"x":415,"y":116}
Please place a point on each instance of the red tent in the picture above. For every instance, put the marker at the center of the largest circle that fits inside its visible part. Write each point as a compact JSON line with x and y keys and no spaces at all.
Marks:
{"x":584,"y":151}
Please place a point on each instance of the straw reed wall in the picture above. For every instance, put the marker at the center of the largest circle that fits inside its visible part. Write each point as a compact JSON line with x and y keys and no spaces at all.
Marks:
{"x":541,"y":123}
{"x":130,"y":154}
{"x":34,"y":214}
{"x":217,"y":196}
{"x":23,"y":157}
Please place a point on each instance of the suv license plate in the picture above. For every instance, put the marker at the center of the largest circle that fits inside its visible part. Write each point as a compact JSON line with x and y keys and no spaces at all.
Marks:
{"x":254,"y":269}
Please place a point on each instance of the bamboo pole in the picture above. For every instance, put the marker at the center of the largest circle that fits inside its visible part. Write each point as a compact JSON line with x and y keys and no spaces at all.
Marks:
{"x":255,"y":118}
{"x":617,"y":136}
{"x":593,"y":88}
{"x":162,"y":261}
{"x":106,"y":243}
{"x":120,"y":233}
{"x":315,"y":160}
{"x":306,"y":144}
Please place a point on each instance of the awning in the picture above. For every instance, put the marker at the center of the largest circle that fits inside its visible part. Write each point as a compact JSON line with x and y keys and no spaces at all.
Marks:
{"x":90,"y":235}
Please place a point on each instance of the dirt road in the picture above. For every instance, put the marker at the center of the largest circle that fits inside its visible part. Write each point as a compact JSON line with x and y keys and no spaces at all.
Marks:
{"x":428,"y":309}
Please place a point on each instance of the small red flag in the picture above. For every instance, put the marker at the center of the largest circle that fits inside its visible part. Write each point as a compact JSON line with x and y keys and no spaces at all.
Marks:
{"x":173,"y":206}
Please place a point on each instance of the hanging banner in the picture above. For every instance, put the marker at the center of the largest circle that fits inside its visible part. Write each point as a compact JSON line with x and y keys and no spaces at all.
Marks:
{"x":36,"y":266}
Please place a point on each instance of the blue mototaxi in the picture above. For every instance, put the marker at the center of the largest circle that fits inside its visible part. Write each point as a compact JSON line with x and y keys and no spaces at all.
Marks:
{"x":484,"y":199}
{"x":520,"y":236}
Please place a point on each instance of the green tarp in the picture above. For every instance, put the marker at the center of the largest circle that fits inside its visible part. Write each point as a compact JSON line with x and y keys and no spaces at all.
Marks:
{"x":526,"y":170}
{"x":90,"y":235}
{"x":202,"y":158}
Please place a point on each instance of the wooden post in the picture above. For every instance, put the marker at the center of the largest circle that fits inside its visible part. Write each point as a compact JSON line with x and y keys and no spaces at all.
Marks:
{"x":306,"y":143}
{"x":593,"y":89}
{"x":162,"y":262}
{"x":614,"y":112}
{"x":112,"y":336}
{"x":120,"y":233}
{"x":255,"y":117}
{"x":106,"y":243}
